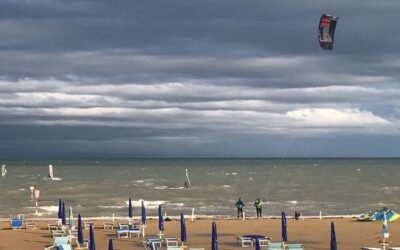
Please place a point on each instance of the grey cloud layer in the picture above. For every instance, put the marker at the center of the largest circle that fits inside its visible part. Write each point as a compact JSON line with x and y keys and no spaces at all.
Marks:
{"x":158,"y":75}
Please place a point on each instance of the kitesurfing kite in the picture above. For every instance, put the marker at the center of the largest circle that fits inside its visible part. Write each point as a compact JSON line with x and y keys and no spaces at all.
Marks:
{"x":327,"y":26}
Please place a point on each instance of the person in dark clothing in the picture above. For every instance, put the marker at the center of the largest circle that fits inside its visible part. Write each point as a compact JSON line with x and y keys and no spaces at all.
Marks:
{"x":239,"y":204}
{"x":297,"y":215}
{"x":258,"y":205}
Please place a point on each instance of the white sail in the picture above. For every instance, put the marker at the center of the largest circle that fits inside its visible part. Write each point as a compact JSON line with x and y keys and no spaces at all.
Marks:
{"x":51,"y":175}
{"x":187,"y":178}
{"x":3,"y":170}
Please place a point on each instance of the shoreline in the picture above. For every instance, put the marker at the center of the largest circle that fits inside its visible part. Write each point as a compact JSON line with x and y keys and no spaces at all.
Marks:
{"x":313,"y":233}
{"x":188,"y":217}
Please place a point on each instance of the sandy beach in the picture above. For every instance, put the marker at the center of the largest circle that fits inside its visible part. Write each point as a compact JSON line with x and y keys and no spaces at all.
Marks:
{"x":313,"y":233}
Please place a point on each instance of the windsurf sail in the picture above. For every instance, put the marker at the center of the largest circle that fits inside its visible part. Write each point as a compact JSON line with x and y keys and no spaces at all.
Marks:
{"x":187,"y":178}
{"x":51,"y":175}
{"x":3,"y":170}
{"x":327,"y":26}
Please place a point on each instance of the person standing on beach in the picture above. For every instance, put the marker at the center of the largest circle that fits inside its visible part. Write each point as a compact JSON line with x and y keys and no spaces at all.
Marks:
{"x":258,"y":205}
{"x":239,"y":204}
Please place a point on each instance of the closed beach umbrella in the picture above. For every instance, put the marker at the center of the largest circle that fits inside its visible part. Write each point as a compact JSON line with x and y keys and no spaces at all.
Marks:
{"x":284,"y":230}
{"x":92,"y":244}
{"x":214,"y":240}
{"x":130,"y":210}
{"x":71,"y":219}
{"x":59,"y":209}
{"x":144,"y":220}
{"x":183,"y":229}
{"x":80,"y":233}
{"x":63,"y":219}
{"x":258,"y":245}
{"x":160,"y":219}
{"x":110,"y":245}
{"x":333,"y":237}
{"x":385,"y":229}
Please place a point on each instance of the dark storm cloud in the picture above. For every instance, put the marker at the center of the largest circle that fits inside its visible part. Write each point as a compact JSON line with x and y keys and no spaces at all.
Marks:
{"x":169,"y":77}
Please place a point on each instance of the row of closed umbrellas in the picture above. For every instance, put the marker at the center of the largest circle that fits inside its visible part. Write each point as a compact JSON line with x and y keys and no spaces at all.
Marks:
{"x":214,"y":241}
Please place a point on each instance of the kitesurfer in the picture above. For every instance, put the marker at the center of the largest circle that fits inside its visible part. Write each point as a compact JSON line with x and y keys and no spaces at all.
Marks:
{"x":258,"y":205}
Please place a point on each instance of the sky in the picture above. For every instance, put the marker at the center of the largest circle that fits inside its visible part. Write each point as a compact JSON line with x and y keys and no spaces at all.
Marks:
{"x":198,"y":78}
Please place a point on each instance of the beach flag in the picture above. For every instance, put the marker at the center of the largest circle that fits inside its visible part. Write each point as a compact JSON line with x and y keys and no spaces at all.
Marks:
{"x":333,"y":237}
{"x":183,"y":229}
{"x":214,"y":240}
{"x":130,"y":210}
{"x":284,"y":230}
{"x":385,"y":229}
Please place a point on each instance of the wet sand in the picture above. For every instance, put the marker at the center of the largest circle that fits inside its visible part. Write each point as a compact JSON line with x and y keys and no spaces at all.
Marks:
{"x":313,"y":233}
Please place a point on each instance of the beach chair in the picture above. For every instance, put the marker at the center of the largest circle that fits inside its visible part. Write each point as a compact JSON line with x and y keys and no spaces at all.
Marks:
{"x":264,"y":241}
{"x":30,"y":225}
{"x":245,"y":241}
{"x":86,"y":224}
{"x":171,"y":241}
{"x":60,"y":241}
{"x":154,"y":241}
{"x":274,"y":246}
{"x":174,"y":248}
{"x":134,"y":231}
{"x":16,"y":223}
{"x":122,"y":233}
{"x":108,"y":225}
{"x":294,"y":246}
{"x":60,"y":247}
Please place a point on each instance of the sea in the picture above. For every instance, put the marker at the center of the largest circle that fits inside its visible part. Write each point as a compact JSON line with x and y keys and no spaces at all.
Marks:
{"x":102,"y":187}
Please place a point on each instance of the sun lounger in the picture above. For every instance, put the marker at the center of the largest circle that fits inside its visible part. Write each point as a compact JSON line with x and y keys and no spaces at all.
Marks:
{"x":86,"y":224}
{"x":245,"y":241}
{"x":171,"y":241}
{"x":174,"y":248}
{"x":127,"y":233}
{"x":63,"y":241}
{"x":155,"y":241}
{"x":60,"y":247}
{"x":58,"y":233}
{"x":30,"y":225}
{"x":264,"y":241}
{"x":108,"y":225}
{"x":294,"y":246}
{"x":51,"y":227}
{"x":394,"y":248}
{"x":16,"y":223}
{"x":274,"y":246}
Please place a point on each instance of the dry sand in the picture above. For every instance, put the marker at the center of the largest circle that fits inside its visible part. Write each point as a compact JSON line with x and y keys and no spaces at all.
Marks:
{"x":313,"y":233}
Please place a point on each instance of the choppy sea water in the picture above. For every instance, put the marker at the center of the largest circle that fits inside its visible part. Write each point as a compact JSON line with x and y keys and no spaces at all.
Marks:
{"x":102,"y":187}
